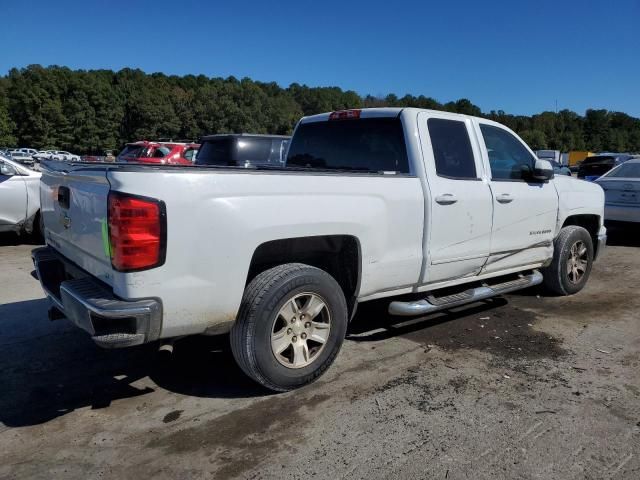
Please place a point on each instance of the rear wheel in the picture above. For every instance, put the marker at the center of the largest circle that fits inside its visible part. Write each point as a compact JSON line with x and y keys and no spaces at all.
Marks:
{"x":572,"y":261}
{"x":37,"y":232}
{"x":290,"y":327}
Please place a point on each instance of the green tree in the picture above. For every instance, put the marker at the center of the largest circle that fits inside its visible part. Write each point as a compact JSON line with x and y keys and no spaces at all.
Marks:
{"x":6,"y":123}
{"x":93,"y":110}
{"x":536,"y":139}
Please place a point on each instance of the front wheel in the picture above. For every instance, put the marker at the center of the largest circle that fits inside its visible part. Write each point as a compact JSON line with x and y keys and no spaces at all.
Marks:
{"x":572,"y":261}
{"x":290,"y":327}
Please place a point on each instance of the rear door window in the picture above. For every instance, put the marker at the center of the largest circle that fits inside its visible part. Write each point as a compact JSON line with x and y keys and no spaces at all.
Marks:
{"x":362,"y":145}
{"x":452,"y":149}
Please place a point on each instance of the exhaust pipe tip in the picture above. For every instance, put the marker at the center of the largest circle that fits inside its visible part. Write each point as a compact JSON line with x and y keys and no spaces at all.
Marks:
{"x":165,"y":352}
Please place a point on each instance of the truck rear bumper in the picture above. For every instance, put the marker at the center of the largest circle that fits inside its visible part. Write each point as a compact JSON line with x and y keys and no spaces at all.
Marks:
{"x":92,"y":306}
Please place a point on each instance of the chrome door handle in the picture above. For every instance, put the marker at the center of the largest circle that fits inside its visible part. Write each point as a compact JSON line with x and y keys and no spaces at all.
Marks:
{"x":446,"y":199}
{"x":504,"y":198}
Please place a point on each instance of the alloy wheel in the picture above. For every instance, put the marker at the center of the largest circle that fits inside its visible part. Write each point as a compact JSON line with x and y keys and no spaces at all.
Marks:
{"x":300,"y":330}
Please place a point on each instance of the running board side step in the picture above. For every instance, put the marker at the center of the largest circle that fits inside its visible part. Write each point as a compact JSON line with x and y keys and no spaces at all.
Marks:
{"x":434,"y":304}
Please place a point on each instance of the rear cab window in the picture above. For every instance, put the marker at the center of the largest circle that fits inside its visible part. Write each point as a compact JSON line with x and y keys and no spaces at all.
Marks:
{"x":371,"y":145}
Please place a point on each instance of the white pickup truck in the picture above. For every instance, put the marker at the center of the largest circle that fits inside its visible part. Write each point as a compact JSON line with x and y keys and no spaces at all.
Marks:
{"x":373,"y":203}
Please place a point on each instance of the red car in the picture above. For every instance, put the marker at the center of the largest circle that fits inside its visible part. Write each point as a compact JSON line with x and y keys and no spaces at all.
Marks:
{"x":159,"y":153}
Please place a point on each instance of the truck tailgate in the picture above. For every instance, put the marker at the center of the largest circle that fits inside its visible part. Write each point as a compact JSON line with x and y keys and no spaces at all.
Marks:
{"x":74,"y":208}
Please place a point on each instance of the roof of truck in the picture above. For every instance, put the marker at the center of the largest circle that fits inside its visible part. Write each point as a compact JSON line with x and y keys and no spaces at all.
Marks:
{"x":382,"y":112}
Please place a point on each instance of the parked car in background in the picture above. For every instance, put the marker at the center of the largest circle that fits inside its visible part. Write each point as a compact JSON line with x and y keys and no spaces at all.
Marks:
{"x":559,"y":169}
{"x":26,"y":151}
{"x":43,"y":155}
{"x":19,"y":198}
{"x":621,"y":187}
{"x":551,"y":155}
{"x":362,"y":209}
{"x":179,"y":153}
{"x":597,"y":165}
{"x":243,"y":150}
{"x":575,"y":158}
{"x":23,"y":155}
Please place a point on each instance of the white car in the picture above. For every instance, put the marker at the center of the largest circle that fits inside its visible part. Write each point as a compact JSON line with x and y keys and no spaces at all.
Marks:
{"x":371,"y":204}
{"x":63,"y":156}
{"x":57,"y":155}
{"x":23,"y":155}
{"x":19,"y":198}
{"x":621,"y":187}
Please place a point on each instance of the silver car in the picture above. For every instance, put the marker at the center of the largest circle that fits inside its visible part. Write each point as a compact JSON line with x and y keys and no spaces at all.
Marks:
{"x":621,"y":187}
{"x":19,"y":198}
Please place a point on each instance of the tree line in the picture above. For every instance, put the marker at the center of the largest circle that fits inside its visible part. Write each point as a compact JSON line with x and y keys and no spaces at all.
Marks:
{"x":96,"y":110}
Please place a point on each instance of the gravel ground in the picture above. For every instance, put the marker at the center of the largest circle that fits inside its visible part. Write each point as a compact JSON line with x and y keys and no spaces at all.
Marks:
{"x":522,"y":386}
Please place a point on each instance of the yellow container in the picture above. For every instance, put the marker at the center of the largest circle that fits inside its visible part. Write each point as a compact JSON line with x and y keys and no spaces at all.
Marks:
{"x":576,"y":156}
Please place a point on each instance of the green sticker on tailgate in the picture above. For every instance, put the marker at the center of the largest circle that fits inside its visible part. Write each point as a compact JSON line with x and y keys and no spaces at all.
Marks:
{"x":105,"y":238}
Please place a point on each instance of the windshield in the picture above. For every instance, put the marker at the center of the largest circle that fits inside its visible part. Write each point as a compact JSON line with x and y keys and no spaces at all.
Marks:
{"x":626,"y":170}
{"x":598,"y":159}
{"x":368,"y":144}
{"x":132,"y":151}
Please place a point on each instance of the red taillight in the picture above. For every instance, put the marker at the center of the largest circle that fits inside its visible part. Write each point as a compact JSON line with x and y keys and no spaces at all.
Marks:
{"x":345,"y":114}
{"x":137,"y":232}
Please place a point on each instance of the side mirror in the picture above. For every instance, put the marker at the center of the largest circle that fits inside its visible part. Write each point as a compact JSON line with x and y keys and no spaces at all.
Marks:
{"x":6,"y":170}
{"x":542,"y":170}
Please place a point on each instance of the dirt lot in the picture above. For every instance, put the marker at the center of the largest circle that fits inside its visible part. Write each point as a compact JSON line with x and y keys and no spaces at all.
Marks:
{"x":519,"y":387}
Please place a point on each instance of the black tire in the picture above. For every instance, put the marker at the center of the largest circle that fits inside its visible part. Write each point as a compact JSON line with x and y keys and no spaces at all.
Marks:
{"x":557,"y":276}
{"x":259,"y":311}
{"x":37,"y":229}
{"x":40,"y":229}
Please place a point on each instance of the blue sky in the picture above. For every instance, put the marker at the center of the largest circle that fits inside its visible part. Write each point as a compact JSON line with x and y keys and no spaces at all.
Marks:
{"x":518,"y":56}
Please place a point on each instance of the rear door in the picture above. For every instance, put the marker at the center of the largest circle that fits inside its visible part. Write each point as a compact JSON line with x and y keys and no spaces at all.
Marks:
{"x":459,"y":226}
{"x":74,"y":208}
{"x":524,"y":212}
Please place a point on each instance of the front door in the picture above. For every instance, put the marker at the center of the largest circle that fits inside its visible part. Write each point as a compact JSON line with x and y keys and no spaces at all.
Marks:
{"x":458,"y":219}
{"x":524,"y":212}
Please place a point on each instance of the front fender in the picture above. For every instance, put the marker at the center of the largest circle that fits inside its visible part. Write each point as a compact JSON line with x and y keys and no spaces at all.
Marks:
{"x":578,"y":197}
